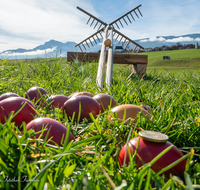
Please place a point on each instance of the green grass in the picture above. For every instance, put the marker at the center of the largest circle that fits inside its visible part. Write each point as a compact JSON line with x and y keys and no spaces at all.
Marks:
{"x":174,"y":99}
{"x":174,"y":54}
{"x":180,"y":60}
{"x":185,"y":60}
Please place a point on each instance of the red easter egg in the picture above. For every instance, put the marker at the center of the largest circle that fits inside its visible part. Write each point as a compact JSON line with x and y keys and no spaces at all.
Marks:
{"x":148,"y":150}
{"x":81,"y":94}
{"x":34,"y":95}
{"x":105,"y":100}
{"x":8,"y":95}
{"x":8,"y":105}
{"x":57,"y":129}
{"x":57,"y":101}
{"x":85,"y":103}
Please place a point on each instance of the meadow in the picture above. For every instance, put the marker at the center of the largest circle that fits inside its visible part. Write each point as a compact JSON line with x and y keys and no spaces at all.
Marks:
{"x":180,"y":60}
{"x":91,"y":162}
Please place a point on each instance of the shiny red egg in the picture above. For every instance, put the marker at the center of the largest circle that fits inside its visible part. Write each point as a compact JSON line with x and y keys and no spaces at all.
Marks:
{"x":148,"y":150}
{"x":57,"y":101}
{"x":81,"y":94}
{"x":105,"y":101}
{"x":8,"y":95}
{"x":57,"y":129}
{"x":33,"y":93}
{"x":82,"y":104}
{"x":26,"y":114}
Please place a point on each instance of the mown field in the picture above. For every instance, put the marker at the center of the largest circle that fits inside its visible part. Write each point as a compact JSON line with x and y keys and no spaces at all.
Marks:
{"x":91,"y":162}
{"x":185,"y":60}
{"x":180,"y":60}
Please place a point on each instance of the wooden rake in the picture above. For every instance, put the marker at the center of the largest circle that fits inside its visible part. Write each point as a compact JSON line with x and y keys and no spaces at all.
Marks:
{"x":109,"y":32}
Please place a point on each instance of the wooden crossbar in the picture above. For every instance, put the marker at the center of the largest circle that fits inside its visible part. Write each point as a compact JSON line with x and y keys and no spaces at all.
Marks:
{"x":117,"y":58}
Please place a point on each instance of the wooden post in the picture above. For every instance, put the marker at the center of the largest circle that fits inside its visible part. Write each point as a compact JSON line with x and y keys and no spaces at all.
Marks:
{"x":110,"y":61}
{"x":102,"y":61}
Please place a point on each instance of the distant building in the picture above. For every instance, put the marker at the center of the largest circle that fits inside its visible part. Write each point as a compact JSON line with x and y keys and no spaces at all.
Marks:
{"x":196,"y":45}
{"x":189,"y":46}
{"x":148,"y":49}
{"x":119,"y":49}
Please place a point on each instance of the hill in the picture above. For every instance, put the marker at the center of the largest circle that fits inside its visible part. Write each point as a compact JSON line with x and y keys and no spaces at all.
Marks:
{"x":180,"y":60}
{"x":55,"y":48}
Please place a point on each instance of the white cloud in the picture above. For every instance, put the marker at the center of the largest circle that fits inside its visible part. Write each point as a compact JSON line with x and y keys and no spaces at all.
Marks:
{"x":180,"y":39}
{"x":161,"y":39}
{"x":29,"y":23}
{"x":63,"y":55}
{"x":44,"y":20}
{"x":37,"y":52}
{"x":145,"y":40}
{"x":9,"y":42}
{"x":153,"y":39}
{"x":167,"y":18}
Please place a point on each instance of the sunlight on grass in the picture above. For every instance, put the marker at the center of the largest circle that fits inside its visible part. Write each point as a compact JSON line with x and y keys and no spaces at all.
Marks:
{"x":92,"y":161}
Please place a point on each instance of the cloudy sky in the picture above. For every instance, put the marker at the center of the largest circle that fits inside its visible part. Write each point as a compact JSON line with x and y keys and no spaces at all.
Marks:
{"x":29,"y":23}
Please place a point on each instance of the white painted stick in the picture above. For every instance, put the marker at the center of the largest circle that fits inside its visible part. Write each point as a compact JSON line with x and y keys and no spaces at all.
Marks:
{"x":110,"y":61}
{"x":102,"y":61}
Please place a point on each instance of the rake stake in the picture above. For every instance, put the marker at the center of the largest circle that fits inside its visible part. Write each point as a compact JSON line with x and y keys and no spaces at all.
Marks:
{"x":102,"y":61}
{"x":110,"y":62}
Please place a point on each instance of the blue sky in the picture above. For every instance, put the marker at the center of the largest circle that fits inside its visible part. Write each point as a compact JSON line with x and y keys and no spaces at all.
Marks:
{"x":29,"y":23}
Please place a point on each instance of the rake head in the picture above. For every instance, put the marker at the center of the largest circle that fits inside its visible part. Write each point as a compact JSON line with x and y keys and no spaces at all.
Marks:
{"x":95,"y":21}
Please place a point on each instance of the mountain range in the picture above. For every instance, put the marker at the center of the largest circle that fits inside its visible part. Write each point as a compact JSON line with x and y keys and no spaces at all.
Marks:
{"x":55,"y":48}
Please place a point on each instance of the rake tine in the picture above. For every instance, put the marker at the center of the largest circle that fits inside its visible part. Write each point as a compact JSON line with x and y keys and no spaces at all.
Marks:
{"x":92,"y":22}
{"x":80,"y":48}
{"x":96,"y":24}
{"x":97,"y":37}
{"x":88,"y":20}
{"x":136,"y":14}
{"x":123,"y":43}
{"x":132,"y":16}
{"x":101,"y":34}
{"x":83,"y":46}
{"x":100,"y":27}
{"x":117,"y":25}
{"x":114,"y":34}
{"x":116,"y":38}
{"x":128,"y":18}
{"x":125,"y":21}
{"x":137,"y":51}
{"x":92,"y":16}
{"x":90,"y":41}
{"x":135,"y":48}
{"x":140,"y":12}
{"x":121,"y":23}
{"x":123,"y":16}
{"x":128,"y":39}
{"x":94,"y":39}
{"x":120,"y":39}
{"x":127,"y":44}
{"x":87,"y":44}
